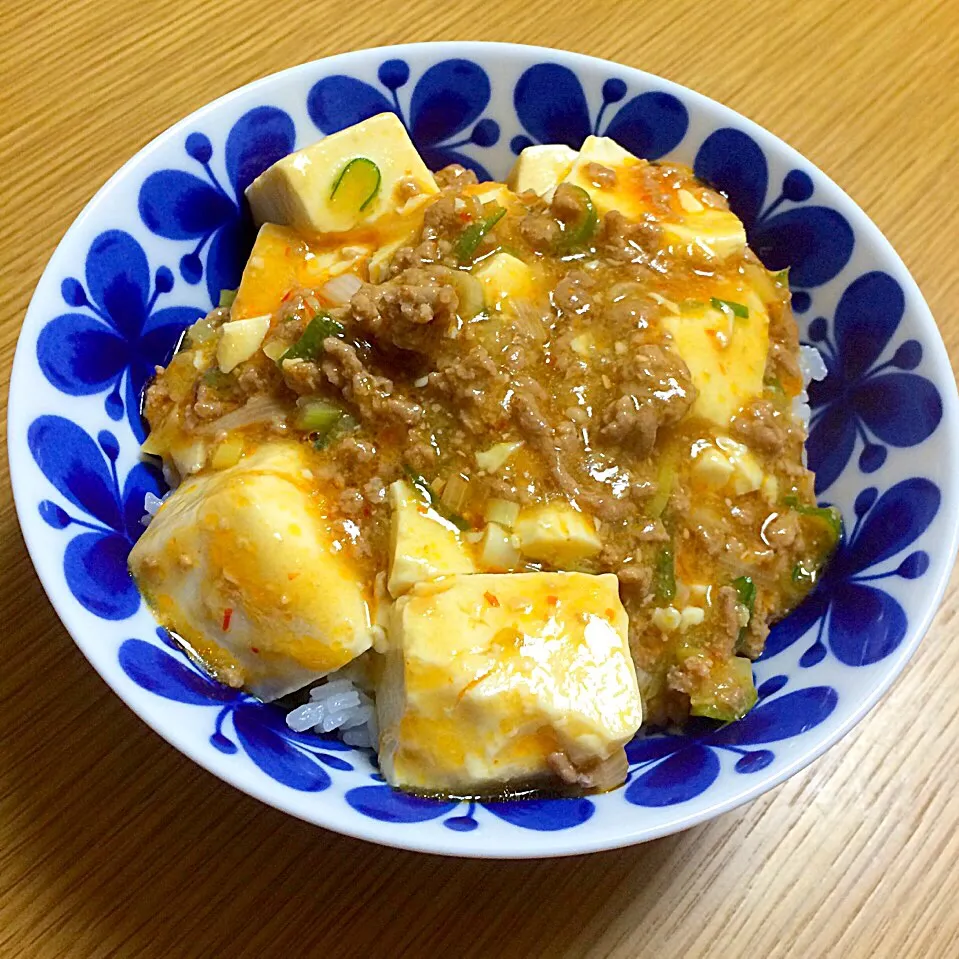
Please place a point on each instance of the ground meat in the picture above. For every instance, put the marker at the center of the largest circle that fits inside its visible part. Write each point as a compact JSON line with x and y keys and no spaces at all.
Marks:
{"x":411,"y":312}
{"x":600,"y":774}
{"x":656,"y":391}
{"x":528,"y":415}
{"x":304,"y":377}
{"x":372,"y":395}
{"x":635,"y":576}
{"x":473,"y":381}
{"x":627,"y":241}
{"x":256,"y":377}
{"x":571,"y":295}
{"x":211,"y":404}
{"x":761,"y":427}
{"x":687,"y":676}
{"x":424,"y":254}
{"x":600,"y":176}
{"x":731,"y":616}
{"x":541,"y":232}
{"x":454,"y":177}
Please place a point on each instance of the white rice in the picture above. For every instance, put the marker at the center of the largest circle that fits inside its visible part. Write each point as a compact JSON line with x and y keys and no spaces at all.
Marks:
{"x":812,"y":367}
{"x":341,"y":705}
{"x":152,"y":503}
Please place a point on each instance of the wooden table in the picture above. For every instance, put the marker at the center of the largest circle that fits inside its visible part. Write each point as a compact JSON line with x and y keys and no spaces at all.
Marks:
{"x":111,"y":843}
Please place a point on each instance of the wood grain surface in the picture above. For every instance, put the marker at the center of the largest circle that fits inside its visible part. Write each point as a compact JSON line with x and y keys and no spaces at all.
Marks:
{"x":113,"y":844}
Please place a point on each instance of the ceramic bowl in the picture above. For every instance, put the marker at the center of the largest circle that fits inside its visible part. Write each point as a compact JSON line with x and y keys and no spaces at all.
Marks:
{"x":155,"y":246}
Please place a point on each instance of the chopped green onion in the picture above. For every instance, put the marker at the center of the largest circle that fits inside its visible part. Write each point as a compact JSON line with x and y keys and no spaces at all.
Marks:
{"x":426,"y":491}
{"x":737,"y":309}
{"x":727,"y":693}
{"x":218,"y":380}
{"x":579,"y":232}
{"x":472,"y":236}
{"x":316,"y":416}
{"x":664,"y":575}
{"x":746,"y":591}
{"x":227,"y":297}
{"x":665,"y":483}
{"x":356,"y":186}
{"x":746,"y":594}
{"x":308,"y":346}
{"x":344,"y":424}
{"x":774,"y":385}
{"x":782,"y":277}
{"x":803,"y":574}
{"x":828,"y":515}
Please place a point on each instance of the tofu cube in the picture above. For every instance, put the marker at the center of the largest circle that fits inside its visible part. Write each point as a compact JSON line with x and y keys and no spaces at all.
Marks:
{"x":557,"y":534}
{"x":490,"y":677}
{"x":541,"y":168}
{"x":423,"y":545}
{"x":239,"y":340}
{"x":719,"y":234}
{"x":244,"y":565}
{"x":281,"y":261}
{"x":623,"y":195}
{"x":505,"y":278}
{"x":726,"y":355}
{"x":297,"y":191}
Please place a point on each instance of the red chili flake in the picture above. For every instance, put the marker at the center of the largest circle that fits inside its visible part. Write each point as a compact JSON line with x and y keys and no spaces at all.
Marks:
{"x":292,"y":576}
{"x":491,"y":599}
{"x":609,"y":614}
{"x":255,"y":649}
{"x":552,"y":600}
{"x":286,"y":296}
{"x":227,"y":616}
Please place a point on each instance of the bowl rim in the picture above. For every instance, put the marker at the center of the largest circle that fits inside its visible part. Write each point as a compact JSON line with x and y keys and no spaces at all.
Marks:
{"x":551,"y":844}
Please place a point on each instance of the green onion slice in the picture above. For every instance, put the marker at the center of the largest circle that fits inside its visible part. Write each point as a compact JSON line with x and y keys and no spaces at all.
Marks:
{"x":317,"y":416}
{"x":730,"y":306}
{"x":472,"y":236}
{"x":227,"y":297}
{"x":426,"y":491}
{"x":307,"y":347}
{"x":827,"y":515}
{"x":356,"y":186}
{"x":664,"y":575}
{"x":578,"y":232}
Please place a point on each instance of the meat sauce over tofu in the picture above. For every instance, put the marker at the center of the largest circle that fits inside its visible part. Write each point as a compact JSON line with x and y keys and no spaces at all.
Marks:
{"x":540,"y":436}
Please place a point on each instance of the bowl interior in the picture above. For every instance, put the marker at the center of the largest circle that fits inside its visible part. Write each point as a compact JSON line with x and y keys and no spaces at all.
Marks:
{"x":153,"y":249}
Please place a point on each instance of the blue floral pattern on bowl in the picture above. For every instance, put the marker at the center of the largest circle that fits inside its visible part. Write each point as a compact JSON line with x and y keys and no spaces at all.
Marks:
{"x":860,"y":396}
{"x":182,"y":203}
{"x":120,"y":336}
{"x":551,"y":104}
{"x":861,"y":622}
{"x":182,"y":206}
{"x":85,"y":475}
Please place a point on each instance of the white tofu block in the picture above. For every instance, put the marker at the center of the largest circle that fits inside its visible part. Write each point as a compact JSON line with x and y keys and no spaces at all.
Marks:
{"x":491,"y":675}
{"x":726,"y":354}
{"x":557,"y":534}
{"x":622,"y":195}
{"x":246,"y":567}
{"x":423,"y":545}
{"x":541,"y":168}
{"x":297,"y":191}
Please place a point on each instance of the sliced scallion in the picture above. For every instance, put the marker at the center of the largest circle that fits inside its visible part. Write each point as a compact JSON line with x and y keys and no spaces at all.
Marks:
{"x":308,"y":346}
{"x":579,"y":231}
{"x":731,"y":306}
{"x":356,"y":186}
{"x":470,"y":239}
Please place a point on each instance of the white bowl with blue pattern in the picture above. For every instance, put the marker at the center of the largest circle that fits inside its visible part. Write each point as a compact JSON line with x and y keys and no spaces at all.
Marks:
{"x":155,"y":246}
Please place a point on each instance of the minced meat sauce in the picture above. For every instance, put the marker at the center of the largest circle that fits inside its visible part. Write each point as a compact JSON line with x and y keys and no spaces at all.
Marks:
{"x":553,"y":373}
